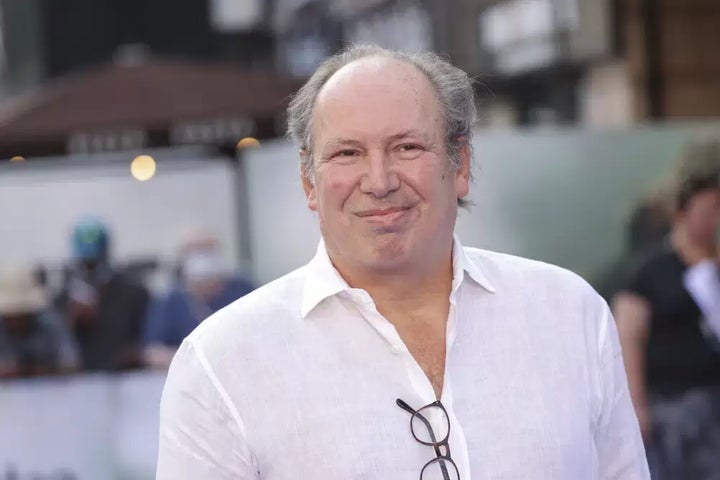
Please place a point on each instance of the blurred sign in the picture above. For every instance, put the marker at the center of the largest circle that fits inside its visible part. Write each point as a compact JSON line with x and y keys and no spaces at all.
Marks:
{"x":524,"y":35}
{"x":235,"y":15}
{"x":207,"y":132}
{"x":81,"y":428}
{"x":403,"y":27}
{"x":211,"y":131}
{"x":107,"y":141}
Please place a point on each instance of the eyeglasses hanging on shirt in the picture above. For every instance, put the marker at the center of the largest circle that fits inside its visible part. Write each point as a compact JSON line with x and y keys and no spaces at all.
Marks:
{"x":430,"y":425}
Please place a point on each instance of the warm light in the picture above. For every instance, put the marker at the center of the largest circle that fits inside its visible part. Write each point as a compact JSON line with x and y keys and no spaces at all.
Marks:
{"x":17,"y":159}
{"x":248,"y":142}
{"x":142,"y":168}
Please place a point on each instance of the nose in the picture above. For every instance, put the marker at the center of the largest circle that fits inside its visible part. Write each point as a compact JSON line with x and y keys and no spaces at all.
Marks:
{"x":379,"y":178}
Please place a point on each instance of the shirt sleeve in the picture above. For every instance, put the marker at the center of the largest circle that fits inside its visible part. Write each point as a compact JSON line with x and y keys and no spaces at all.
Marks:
{"x":201,"y":432}
{"x":621,"y":454}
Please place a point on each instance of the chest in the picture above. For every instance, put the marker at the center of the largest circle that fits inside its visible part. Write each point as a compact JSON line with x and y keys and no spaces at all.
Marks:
{"x":519,"y":415}
{"x":427,"y":345}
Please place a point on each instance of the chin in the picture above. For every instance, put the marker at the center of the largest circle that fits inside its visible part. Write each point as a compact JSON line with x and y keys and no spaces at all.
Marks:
{"x":389,"y":252}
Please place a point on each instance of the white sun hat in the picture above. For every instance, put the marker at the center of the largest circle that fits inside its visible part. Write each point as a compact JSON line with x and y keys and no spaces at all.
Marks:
{"x":20,"y":292}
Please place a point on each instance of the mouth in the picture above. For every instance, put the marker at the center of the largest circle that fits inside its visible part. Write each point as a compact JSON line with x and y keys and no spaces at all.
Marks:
{"x":381,"y":212}
{"x":386,"y":219}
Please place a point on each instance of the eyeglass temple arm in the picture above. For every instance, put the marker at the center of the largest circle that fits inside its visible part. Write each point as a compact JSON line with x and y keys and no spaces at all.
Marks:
{"x":401,"y":403}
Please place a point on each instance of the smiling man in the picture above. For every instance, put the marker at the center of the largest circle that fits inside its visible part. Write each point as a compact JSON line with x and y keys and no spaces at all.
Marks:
{"x":397,"y":353}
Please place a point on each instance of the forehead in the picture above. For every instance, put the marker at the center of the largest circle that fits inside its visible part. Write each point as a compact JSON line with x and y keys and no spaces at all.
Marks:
{"x":376,"y":96}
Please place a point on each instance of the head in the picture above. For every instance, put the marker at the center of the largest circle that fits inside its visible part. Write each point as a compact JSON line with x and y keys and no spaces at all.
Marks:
{"x":201,"y":263}
{"x":697,"y":199}
{"x":649,"y":223}
{"x":698,"y":211}
{"x":384,"y":143}
{"x":90,"y":244}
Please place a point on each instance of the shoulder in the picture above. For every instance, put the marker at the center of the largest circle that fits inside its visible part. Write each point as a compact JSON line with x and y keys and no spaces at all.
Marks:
{"x":176,"y":294}
{"x":512,"y":273}
{"x":238,"y":286}
{"x":168,"y":303}
{"x":541,"y":294}
{"x":270,"y":309}
{"x":660,"y":257}
{"x":650,"y":267}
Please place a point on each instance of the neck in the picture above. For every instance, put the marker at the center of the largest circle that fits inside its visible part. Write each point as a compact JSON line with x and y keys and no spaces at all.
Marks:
{"x":407,"y":290}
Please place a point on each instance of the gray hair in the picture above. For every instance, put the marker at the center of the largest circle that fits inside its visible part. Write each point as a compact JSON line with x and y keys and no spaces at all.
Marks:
{"x":453,"y":86}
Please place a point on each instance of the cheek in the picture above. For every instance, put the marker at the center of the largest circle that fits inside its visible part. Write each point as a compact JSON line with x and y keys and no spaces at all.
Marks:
{"x":335,"y":186}
{"x":703,"y":222}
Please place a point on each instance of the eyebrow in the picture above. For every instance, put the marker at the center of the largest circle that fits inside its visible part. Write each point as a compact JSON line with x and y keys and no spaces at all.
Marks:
{"x":408,"y":133}
{"x":338,"y":142}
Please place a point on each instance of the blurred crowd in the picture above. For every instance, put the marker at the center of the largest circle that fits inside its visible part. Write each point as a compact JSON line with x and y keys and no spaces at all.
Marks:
{"x":102,"y":318}
{"x":665,"y":296}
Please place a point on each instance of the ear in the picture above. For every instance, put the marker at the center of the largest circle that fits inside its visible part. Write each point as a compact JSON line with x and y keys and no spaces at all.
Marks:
{"x":462,"y":175}
{"x":308,"y":184}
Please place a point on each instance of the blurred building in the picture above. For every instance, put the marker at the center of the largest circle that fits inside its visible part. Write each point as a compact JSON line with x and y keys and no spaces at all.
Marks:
{"x":591,"y":62}
{"x":538,"y":62}
{"x":95,"y":76}
{"x":43,"y":39}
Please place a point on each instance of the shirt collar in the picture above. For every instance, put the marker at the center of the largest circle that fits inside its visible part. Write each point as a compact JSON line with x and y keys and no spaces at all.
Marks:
{"x":463,"y":263}
{"x":322,"y":280}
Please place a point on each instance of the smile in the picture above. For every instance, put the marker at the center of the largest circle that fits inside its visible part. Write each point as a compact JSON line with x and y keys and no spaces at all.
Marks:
{"x":386,"y":217}
{"x":381,"y":212}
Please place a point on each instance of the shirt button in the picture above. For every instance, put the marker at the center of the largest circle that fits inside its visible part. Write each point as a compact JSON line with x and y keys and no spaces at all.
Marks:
{"x":396,"y":350}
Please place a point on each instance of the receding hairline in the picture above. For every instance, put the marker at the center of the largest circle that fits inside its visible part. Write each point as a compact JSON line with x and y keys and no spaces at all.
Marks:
{"x":375,"y":57}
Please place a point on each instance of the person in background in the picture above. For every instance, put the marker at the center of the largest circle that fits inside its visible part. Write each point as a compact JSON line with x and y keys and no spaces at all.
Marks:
{"x":33,"y":340}
{"x":648,"y":226}
{"x":668,"y":316}
{"x":103,"y":308}
{"x":204,"y":287}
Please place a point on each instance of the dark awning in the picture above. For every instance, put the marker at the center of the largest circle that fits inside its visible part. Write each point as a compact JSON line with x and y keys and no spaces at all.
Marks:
{"x":152,"y":104}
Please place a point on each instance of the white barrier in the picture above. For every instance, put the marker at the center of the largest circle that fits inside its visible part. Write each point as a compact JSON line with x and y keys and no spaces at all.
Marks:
{"x":80,"y":428}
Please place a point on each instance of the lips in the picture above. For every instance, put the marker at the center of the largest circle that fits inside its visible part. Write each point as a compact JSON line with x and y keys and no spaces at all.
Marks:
{"x":381,"y":212}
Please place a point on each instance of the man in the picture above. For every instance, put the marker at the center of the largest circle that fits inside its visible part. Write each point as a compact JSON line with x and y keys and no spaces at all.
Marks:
{"x":396,"y":353}
{"x":33,"y":341}
{"x":204,"y":288}
{"x":103,"y":308}
{"x":668,"y":315}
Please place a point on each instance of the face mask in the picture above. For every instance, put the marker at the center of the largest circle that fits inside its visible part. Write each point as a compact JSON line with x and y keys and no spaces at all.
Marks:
{"x":202,"y":265}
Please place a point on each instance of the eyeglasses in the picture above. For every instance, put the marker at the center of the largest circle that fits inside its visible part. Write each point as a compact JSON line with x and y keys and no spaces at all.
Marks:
{"x":442,"y":467}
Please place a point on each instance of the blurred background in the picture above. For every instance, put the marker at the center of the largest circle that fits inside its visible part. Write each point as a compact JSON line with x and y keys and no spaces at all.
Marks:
{"x":145,"y":180}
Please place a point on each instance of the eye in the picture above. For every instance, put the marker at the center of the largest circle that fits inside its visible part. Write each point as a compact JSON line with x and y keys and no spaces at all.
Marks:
{"x":409,"y":150}
{"x":409,"y":147}
{"x":346,"y":153}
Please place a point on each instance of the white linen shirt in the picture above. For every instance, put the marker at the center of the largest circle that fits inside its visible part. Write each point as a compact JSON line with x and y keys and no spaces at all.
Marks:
{"x":298,"y":380}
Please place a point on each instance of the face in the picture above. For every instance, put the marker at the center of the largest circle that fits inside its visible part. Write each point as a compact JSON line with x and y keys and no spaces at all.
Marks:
{"x":702,"y":216}
{"x":383,"y":188}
